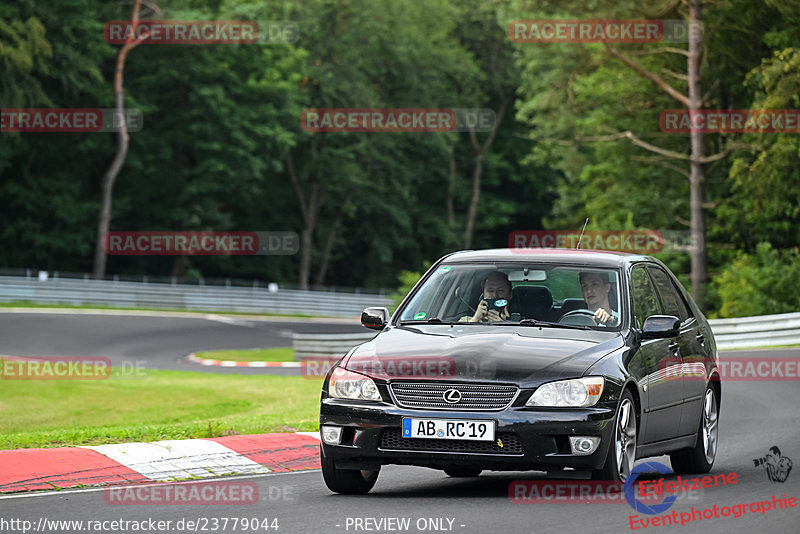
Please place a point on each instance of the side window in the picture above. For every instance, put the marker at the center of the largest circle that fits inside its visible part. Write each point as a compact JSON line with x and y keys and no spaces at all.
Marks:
{"x":670,"y":299}
{"x":645,"y":303}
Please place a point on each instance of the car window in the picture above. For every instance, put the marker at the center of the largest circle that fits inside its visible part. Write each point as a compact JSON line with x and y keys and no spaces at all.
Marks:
{"x":645,"y":302}
{"x":453,"y":292}
{"x":670,"y":299}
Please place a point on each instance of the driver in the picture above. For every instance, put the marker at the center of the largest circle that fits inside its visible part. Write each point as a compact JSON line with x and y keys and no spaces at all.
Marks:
{"x":496,"y":286}
{"x":596,"y":287}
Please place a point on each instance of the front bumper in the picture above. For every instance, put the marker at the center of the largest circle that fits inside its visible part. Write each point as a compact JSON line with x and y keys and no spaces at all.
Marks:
{"x":532,"y":438}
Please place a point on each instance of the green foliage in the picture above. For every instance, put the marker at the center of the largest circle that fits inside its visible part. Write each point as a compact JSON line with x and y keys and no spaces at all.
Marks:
{"x":762,"y":283}
{"x":765,"y":200}
{"x":219,"y":121}
{"x":24,"y":52}
{"x":407,"y":280}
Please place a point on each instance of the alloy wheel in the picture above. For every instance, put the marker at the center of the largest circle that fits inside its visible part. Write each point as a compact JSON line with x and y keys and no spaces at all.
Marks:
{"x":710,"y":420}
{"x":625,"y":439}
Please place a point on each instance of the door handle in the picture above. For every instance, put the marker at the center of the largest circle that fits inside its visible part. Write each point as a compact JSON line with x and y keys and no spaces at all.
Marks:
{"x":673,"y":347}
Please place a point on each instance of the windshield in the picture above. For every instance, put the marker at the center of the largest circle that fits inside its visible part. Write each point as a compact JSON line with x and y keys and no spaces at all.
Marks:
{"x":559,"y":294}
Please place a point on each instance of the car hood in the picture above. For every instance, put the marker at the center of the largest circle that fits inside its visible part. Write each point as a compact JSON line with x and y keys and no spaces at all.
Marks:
{"x":525,"y":356}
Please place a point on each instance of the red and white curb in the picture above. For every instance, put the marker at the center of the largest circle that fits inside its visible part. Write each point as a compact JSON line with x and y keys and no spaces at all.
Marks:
{"x":162,"y":461}
{"x":228,"y":363}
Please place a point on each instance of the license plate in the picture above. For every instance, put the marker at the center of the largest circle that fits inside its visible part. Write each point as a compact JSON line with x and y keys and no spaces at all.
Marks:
{"x":468,"y":429}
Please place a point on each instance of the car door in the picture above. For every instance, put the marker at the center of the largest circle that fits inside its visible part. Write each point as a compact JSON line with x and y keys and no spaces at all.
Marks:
{"x":661,"y":363}
{"x":690,"y":347}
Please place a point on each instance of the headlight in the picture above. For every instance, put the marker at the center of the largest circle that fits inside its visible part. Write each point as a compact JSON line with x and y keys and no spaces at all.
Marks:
{"x":576,"y":393}
{"x":346,"y":384}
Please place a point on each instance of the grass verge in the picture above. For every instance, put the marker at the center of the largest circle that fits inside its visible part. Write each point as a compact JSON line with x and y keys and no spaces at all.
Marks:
{"x":282,"y":354}
{"x":159,"y":405}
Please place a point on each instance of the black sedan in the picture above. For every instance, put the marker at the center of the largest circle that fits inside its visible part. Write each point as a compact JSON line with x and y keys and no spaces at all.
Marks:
{"x":547,"y":360}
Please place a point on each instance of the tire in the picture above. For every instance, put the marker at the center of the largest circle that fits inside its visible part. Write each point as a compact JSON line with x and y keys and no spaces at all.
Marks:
{"x":346,"y":481}
{"x":465,"y":471}
{"x":700,"y":459}
{"x":622,"y":450}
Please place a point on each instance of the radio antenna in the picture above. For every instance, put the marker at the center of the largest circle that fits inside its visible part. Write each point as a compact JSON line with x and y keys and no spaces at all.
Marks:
{"x":584,"y":229}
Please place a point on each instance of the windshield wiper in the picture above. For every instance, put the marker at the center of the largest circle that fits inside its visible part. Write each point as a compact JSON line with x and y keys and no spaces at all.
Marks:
{"x":432,"y":320}
{"x":536,"y":322}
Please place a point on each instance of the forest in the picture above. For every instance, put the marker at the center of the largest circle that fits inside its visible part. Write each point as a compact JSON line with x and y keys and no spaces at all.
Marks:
{"x":577,"y":133}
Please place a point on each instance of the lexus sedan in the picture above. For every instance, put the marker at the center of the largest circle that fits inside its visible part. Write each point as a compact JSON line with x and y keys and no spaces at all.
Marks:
{"x":534,"y":359}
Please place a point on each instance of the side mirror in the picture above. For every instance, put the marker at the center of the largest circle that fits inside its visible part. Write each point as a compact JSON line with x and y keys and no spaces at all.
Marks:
{"x":660,"y":326}
{"x":375,"y":318}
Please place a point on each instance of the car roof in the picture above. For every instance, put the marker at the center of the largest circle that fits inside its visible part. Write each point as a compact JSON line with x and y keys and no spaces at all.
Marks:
{"x":596,"y":258}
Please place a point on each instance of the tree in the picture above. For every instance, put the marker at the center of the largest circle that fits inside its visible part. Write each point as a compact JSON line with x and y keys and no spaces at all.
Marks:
{"x":354,"y":63}
{"x":123,"y":140}
{"x":488,"y":42}
{"x":686,"y":91}
{"x":51,"y":55}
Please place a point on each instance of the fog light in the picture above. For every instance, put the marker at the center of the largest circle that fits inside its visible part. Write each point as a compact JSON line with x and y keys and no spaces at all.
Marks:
{"x":331,"y":435}
{"x":583,"y":445}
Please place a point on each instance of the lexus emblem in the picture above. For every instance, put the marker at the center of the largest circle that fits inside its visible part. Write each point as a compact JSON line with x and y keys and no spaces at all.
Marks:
{"x":452,"y":396}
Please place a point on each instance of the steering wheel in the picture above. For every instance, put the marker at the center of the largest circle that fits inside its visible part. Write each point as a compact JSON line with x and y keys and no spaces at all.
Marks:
{"x":584,"y":318}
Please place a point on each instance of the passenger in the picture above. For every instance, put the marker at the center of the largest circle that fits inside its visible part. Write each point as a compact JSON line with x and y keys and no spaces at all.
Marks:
{"x":496,"y":286}
{"x":596,"y":288}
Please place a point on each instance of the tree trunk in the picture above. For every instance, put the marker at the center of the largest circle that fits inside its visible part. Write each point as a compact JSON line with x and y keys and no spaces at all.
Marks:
{"x":309,"y":209}
{"x":477,"y":173}
{"x":696,"y":177}
{"x":306,"y":238}
{"x":451,"y":189}
{"x":326,"y":254}
{"x":693,"y":102}
{"x":179,"y":265}
{"x":123,"y":141}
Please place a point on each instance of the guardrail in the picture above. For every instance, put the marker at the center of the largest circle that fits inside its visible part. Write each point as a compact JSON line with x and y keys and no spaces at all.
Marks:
{"x":742,"y":332}
{"x":186,"y":296}
{"x":326,"y":346}
{"x":759,"y":331}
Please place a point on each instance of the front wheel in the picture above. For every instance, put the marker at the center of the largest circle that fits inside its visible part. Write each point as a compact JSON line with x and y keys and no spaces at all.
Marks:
{"x":700,"y":459}
{"x":622,"y":451}
{"x":346,"y":481}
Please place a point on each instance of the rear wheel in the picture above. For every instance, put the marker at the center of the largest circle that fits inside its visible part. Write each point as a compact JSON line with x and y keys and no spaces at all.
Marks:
{"x":346,"y":481}
{"x":700,"y":459}
{"x":622,"y":451}
{"x":466,"y":471}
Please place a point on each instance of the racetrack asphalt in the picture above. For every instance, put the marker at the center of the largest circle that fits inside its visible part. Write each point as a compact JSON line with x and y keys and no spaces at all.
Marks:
{"x":155,"y":341}
{"x":755,"y":415}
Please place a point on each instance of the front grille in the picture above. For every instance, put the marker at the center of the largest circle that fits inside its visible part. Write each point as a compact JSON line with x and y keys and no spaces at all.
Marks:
{"x":473,"y":397}
{"x":392,"y":439}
